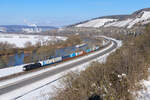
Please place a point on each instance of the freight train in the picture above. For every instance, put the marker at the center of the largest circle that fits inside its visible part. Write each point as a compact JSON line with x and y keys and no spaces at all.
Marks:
{"x":59,"y":59}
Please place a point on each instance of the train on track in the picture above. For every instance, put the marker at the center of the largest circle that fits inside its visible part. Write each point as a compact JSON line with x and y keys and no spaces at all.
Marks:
{"x":59,"y":59}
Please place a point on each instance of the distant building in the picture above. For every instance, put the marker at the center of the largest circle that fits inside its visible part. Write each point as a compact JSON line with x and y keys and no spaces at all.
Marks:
{"x":32,"y":30}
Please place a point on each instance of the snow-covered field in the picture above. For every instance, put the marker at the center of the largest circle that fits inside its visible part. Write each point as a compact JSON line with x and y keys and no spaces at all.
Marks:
{"x":46,"y":87}
{"x":20,"y":39}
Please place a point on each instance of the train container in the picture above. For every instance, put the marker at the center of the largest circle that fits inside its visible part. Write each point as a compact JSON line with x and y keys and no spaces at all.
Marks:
{"x":97,"y":47}
{"x":84,"y":53}
{"x":47,"y":62}
{"x":65,"y":57}
{"x":57,"y":59}
{"x":77,"y":53}
{"x":88,"y":50}
{"x":31,"y":66}
{"x":72,"y":55}
{"x":93,"y":49}
{"x":80,"y":53}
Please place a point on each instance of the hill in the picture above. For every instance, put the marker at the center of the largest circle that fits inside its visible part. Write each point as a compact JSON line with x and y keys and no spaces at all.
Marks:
{"x":140,"y":17}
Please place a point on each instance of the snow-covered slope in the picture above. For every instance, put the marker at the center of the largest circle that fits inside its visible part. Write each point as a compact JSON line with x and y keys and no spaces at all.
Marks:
{"x":140,"y":17}
{"x":96,"y":23}
{"x":143,"y":18}
{"x":123,"y":23}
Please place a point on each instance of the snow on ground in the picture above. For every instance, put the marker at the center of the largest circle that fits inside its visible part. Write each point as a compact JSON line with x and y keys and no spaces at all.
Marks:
{"x":146,"y":15}
{"x":96,"y":23}
{"x":145,"y":22}
{"x":31,"y":92}
{"x":21,"y":39}
{"x":144,"y":94}
{"x":11,"y":70}
{"x":123,"y":23}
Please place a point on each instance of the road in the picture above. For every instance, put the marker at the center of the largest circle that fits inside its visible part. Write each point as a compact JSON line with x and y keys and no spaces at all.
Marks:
{"x":52,"y":72}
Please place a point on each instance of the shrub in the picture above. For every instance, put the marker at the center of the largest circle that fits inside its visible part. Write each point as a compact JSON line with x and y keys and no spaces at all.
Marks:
{"x":114,"y":80}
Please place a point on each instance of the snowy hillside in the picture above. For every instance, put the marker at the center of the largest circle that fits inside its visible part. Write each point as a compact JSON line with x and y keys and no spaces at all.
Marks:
{"x":139,"y":17}
{"x":119,"y":23}
{"x":96,"y":23}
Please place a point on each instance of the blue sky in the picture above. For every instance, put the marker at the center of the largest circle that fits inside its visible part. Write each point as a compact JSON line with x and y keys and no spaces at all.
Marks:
{"x":63,"y":12}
